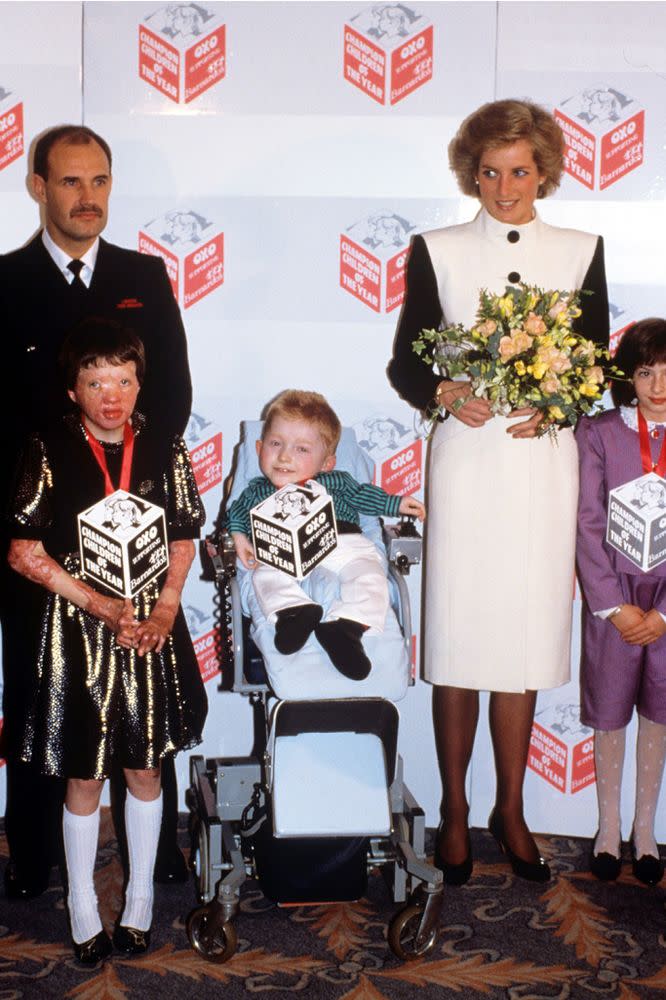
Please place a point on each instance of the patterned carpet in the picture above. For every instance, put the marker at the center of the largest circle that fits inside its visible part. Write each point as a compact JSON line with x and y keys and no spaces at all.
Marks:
{"x":500,"y":938}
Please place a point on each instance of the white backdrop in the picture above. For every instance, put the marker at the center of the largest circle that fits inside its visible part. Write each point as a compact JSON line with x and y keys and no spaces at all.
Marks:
{"x":253,"y":182}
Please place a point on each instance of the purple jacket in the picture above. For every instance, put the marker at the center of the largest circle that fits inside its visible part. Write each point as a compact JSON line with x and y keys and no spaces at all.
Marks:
{"x":609,"y":456}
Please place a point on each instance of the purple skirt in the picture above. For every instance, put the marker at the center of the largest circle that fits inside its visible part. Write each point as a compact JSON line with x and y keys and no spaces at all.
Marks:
{"x":615,"y":676}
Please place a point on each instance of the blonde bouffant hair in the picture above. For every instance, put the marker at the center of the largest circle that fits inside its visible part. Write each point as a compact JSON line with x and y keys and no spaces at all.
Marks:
{"x":501,"y":123}
{"x":300,"y":404}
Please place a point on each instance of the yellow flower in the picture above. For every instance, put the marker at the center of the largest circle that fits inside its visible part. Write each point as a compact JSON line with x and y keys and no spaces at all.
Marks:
{"x":505,"y":305}
{"x":556,"y":413}
{"x":520,"y":368}
{"x":586,"y":389}
{"x":569,"y":341}
{"x":538,"y":369}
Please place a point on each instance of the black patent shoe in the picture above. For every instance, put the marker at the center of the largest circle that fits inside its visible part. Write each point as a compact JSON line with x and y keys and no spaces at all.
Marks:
{"x":453,"y":874}
{"x":93,"y":951}
{"x":24,"y":885}
{"x":533,"y":871}
{"x":605,"y":866}
{"x":130,"y":941}
{"x":170,"y":867}
{"x":647,"y":868}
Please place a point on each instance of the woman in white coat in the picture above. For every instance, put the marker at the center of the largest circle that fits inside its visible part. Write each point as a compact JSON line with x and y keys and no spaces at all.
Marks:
{"x":501,"y":501}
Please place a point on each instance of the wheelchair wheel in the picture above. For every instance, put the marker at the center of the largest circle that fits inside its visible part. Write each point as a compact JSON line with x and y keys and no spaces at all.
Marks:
{"x":212,"y":937}
{"x":403,"y":932}
{"x":199,"y":859}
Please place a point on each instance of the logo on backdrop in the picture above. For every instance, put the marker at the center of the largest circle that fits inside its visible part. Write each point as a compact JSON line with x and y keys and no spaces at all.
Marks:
{"x":205,"y":452}
{"x":182,"y":50}
{"x":388,"y":51}
{"x":562,"y":749}
{"x":192,"y":247}
{"x":11,"y":127}
{"x":620,"y":320}
{"x":396,"y":454}
{"x":373,"y":255}
{"x":205,"y":639}
{"x":603,"y":131}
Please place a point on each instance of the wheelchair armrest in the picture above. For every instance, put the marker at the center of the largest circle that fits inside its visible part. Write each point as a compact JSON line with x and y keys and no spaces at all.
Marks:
{"x":403,"y":544}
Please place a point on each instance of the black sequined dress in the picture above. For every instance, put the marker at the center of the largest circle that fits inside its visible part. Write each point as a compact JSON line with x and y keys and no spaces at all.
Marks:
{"x":96,"y":701}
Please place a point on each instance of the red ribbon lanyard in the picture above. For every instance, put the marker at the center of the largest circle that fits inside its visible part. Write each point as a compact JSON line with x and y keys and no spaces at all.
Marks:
{"x":646,"y":454}
{"x":126,"y":466}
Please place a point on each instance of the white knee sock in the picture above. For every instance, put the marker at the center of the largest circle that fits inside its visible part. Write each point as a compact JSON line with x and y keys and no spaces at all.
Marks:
{"x":650,"y":755}
{"x":609,"y":763}
{"x":80,"y":834}
{"x":142,"y":824}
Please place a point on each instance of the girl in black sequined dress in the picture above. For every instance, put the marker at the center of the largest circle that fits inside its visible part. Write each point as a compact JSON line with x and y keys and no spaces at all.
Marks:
{"x":118,"y":679}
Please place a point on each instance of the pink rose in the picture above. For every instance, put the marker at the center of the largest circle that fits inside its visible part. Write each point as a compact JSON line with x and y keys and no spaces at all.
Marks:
{"x":534,"y":324}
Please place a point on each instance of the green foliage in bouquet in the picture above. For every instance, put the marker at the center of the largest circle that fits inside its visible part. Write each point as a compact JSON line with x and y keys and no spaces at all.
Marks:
{"x":523,"y":351}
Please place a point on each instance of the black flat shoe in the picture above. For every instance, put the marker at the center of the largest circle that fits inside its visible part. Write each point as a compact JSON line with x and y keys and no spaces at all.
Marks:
{"x":170,"y":867}
{"x":533,"y":871}
{"x":93,"y":951}
{"x":647,"y":868}
{"x":605,"y":866}
{"x":130,"y":941}
{"x":454,"y":874}
{"x":24,"y":885}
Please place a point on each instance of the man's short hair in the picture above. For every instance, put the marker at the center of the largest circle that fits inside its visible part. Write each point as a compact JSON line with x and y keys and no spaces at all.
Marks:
{"x":299,"y":404}
{"x":72,"y":135}
{"x":94,"y":340}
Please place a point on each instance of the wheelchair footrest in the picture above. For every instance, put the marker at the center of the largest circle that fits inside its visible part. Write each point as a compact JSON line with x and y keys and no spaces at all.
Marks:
{"x":307,"y":870}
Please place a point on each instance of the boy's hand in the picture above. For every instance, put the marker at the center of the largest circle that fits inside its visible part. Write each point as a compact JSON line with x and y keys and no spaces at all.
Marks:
{"x":650,"y":628}
{"x":244,"y":549}
{"x":412,"y":506}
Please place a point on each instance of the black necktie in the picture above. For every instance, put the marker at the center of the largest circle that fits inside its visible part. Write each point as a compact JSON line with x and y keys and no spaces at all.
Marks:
{"x":76,"y":266}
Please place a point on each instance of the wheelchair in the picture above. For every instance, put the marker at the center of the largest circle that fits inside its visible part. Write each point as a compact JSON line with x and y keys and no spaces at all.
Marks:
{"x":321,"y":800}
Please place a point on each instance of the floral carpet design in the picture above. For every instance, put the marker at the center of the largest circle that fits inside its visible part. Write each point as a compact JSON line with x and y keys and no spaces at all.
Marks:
{"x":500,"y":937}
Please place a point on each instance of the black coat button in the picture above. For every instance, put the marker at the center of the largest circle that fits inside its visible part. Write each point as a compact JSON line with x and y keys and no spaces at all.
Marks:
{"x":514,"y":277}
{"x":513,"y":236}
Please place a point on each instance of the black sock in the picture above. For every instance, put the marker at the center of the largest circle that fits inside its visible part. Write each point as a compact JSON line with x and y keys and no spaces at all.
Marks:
{"x":342,"y":641}
{"x":294,"y":626}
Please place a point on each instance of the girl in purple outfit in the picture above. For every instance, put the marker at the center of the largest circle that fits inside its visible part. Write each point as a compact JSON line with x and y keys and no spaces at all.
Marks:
{"x":624,"y":614}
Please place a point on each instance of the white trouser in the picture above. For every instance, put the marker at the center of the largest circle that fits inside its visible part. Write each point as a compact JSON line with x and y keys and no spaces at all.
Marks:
{"x":363,"y":587}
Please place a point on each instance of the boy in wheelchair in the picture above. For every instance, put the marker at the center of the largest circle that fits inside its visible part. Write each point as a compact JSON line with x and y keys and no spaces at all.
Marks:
{"x":299,"y":440}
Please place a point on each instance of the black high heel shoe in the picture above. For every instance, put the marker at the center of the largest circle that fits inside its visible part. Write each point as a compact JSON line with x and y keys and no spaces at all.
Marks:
{"x":94,"y":950}
{"x":533,"y":871}
{"x":604,"y":866}
{"x":453,"y":874}
{"x":647,"y":869}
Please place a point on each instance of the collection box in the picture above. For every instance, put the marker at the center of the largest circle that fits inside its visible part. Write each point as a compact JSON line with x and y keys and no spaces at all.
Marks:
{"x":562,"y":750}
{"x":11,"y":128}
{"x":294,"y":529}
{"x":603,"y":132}
{"x":123,"y":543}
{"x":192,"y":248}
{"x":398,"y":457}
{"x":182,"y":50}
{"x":636,"y":524}
{"x":373,"y":256}
{"x":388,"y":51}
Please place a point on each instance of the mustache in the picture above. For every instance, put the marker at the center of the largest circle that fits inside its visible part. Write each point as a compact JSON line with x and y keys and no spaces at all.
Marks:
{"x":85,"y":210}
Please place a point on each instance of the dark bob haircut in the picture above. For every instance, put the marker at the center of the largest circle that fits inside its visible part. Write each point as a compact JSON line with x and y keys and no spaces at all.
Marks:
{"x":100,"y":340}
{"x":71,"y":135}
{"x":643,"y":343}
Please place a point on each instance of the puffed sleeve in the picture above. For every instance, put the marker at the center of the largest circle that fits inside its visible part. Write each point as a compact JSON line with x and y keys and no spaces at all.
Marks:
{"x":185,"y":511}
{"x":596,"y":572}
{"x":413,"y":380}
{"x":594,"y":323}
{"x":30,"y":513}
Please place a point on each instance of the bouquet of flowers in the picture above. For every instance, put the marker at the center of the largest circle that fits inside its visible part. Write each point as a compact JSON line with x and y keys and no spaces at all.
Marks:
{"x":523,"y":351}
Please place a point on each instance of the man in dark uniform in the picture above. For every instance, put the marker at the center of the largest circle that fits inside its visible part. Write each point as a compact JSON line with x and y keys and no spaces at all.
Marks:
{"x":65,"y":273}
